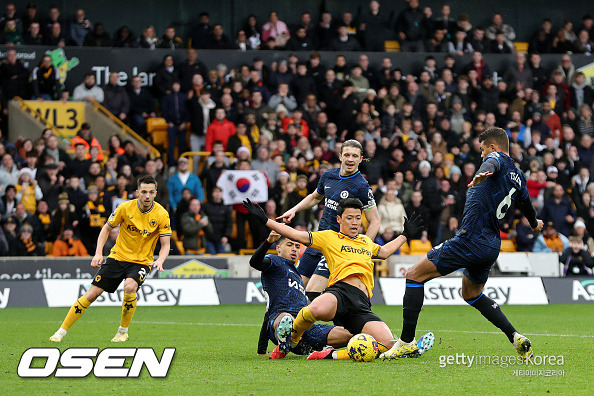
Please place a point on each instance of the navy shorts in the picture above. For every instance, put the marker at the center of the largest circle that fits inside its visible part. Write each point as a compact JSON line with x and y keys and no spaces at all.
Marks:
{"x":309,"y":261}
{"x":457,"y":253}
{"x":314,"y":339}
{"x":322,"y":268}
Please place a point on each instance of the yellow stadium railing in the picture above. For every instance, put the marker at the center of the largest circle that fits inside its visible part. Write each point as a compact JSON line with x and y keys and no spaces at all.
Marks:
{"x":126,"y":130}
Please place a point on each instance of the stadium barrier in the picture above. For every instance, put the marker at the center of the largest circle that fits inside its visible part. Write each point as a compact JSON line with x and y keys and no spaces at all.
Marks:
{"x":389,"y":291}
{"x":129,"y":62}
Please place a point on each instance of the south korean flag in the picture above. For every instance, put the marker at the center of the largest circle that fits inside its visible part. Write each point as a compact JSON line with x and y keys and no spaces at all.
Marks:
{"x":239,"y":185}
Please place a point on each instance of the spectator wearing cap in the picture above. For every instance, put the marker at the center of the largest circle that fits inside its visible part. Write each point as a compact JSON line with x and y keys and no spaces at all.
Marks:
{"x":26,"y":245}
{"x":85,"y":137}
{"x":183,"y":179}
{"x":68,"y":245}
{"x":550,"y":240}
{"x":88,"y":90}
{"x":576,"y":261}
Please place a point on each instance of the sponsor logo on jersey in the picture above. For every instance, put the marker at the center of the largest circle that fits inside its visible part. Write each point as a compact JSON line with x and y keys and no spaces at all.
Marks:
{"x":133,"y":228}
{"x":516,"y":178}
{"x":330,"y":204}
{"x":344,"y":194}
{"x":350,"y":249}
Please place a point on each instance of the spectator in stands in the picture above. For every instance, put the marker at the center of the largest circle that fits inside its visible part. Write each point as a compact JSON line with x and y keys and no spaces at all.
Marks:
{"x":51,"y":184}
{"x":446,"y":23}
{"x":116,"y":100}
{"x":212,"y":171}
{"x":79,"y":27}
{"x":195,"y":224}
{"x":191,"y":66}
{"x":437,"y":42}
{"x":33,"y":35}
{"x":28,"y":191}
{"x":176,"y":114}
{"x":410,"y":28}
{"x":459,"y":44}
{"x":10,"y":15}
{"x":220,"y":129}
{"x":111,"y":240}
{"x":550,"y":240}
{"x":52,"y":18}
{"x":183,"y":179}
{"x":542,"y":41}
{"x":218,"y":39}
{"x":499,"y":45}
{"x":300,"y":41}
{"x":10,"y":35}
{"x":142,"y":105}
{"x":519,"y":72}
{"x":8,"y":202}
{"x":88,"y":90}
{"x":283,"y":97}
{"x":583,"y":44}
{"x":498,"y":26}
{"x":162,"y":197}
{"x":561,"y":45}
{"x":391,"y":212}
{"x":200,"y":34}
{"x":26,"y":245}
{"x":276,"y":29}
{"x":30,"y":16}
{"x":55,"y":37}
{"x":98,"y":37}
{"x":148,"y":38}
{"x":344,"y":41}
{"x":166,"y":76}
{"x":253,"y":31}
{"x":9,"y":173}
{"x":221,"y":220}
{"x":576,"y":261}
{"x":266,"y":165}
{"x":124,"y":38}
{"x":85,"y":137}
{"x":559,"y":210}
{"x":14,"y":77}
{"x":45,"y":80}
{"x":132,"y":158}
{"x":170,"y":40}
{"x":373,"y":27}
{"x":201,"y":108}
{"x":68,"y":245}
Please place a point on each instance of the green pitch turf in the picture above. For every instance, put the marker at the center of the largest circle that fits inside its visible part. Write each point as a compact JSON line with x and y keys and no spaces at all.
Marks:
{"x":216,"y":353}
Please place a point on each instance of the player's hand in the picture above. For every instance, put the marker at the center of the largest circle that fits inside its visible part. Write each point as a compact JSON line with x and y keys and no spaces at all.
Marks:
{"x":96,"y":261}
{"x":413,"y":226}
{"x":479,"y":178}
{"x":158,"y":264}
{"x":539,"y":225}
{"x":255,"y":210}
{"x":273,"y":237}
{"x":287,"y":216}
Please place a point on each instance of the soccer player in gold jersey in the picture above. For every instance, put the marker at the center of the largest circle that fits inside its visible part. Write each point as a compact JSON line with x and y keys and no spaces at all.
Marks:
{"x":349,"y":255}
{"x":142,"y":221}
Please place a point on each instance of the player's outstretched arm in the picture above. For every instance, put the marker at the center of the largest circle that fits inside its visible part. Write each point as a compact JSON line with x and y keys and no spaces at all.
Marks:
{"x":163,"y":253}
{"x":479,"y":178}
{"x":259,"y":260}
{"x":103,"y":235}
{"x":529,"y":212}
{"x":412,"y":228}
{"x":309,"y":201}
{"x":255,"y":210}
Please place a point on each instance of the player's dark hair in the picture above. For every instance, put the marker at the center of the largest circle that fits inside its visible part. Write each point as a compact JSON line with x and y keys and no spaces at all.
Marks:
{"x":351,"y":143}
{"x":146,"y":179}
{"x":497,"y":136}
{"x":346,"y":203}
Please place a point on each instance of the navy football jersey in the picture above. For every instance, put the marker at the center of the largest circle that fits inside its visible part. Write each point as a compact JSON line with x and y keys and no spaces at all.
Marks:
{"x":334,"y":188}
{"x":487,"y":202}
{"x":283,"y":286}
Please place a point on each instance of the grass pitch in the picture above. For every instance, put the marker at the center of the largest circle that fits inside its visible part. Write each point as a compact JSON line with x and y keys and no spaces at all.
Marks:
{"x":216,"y":353}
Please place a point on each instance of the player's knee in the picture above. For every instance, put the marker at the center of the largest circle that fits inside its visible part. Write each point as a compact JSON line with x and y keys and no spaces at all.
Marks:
{"x":130,"y":287}
{"x":93,"y":293}
{"x":469,"y":294}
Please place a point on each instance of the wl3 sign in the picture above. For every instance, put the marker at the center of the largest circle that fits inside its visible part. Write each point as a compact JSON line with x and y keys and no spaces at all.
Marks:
{"x":67,"y":117}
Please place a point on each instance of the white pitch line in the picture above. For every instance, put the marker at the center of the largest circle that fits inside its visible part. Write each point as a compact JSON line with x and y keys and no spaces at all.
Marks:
{"x":499,"y":332}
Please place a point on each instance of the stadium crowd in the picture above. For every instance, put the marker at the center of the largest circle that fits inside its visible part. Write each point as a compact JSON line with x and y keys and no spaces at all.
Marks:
{"x":288,"y":119}
{"x":417,"y":29}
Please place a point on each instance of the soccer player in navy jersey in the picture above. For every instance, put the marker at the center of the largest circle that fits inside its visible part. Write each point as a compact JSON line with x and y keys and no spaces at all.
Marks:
{"x":285,"y":296}
{"x":476,"y":245}
{"x":334,"y":185}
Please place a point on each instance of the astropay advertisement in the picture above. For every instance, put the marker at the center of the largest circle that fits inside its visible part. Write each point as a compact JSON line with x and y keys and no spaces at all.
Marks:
{"x":448,"y":291}
{"x":153,"y":292}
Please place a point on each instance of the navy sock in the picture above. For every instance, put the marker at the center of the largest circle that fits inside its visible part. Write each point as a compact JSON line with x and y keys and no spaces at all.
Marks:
{"x":263,"y":338}
{"x":411,"y":307}
{"x":491,"y":310}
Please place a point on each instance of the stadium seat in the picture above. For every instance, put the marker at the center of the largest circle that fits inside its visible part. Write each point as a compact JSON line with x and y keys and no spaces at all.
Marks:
{"x":381,"y":268}
{"x":391,"y":46}
{"x":249,"y":252}
{"x":521,"y":46}
{"x":507,"y":246}
{"x":418,"y":248}
{"x":157,"y":129}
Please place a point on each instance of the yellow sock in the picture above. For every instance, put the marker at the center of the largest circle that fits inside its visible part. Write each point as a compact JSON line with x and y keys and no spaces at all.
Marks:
{"x":303,"y":322}
{"x":342,"y":354}
{"x":76,"y":311}
{"x":128,"y":309}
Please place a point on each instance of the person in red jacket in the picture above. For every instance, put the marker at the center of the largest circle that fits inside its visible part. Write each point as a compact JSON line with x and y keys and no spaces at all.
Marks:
{"x":220,"y":129}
